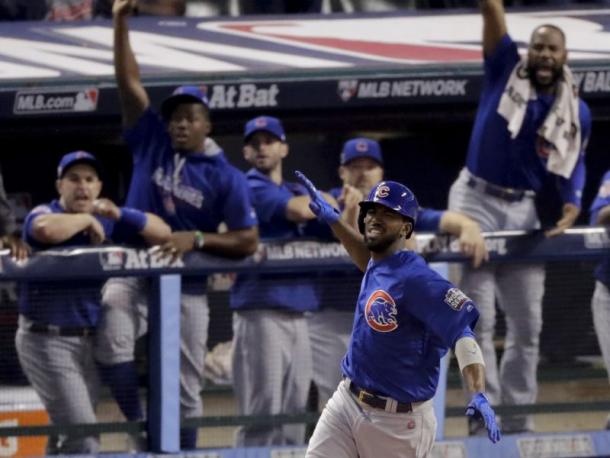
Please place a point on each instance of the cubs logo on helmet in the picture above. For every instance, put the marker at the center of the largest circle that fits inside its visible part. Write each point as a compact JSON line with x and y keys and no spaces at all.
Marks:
{"x":380,"y":312}
{"x":382,"y":191}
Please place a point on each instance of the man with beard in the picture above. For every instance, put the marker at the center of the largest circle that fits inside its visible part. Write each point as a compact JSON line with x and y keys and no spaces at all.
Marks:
{"x":530,"y":124}
{"x":362,"y":167}
{"x":407,"y":317}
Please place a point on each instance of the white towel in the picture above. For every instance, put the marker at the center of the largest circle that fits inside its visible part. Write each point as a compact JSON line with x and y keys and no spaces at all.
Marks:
{"x":561,"y":128}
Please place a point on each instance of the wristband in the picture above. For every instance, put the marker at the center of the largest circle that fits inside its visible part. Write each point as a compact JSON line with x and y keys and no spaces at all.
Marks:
{"x":133,"y":218}
{"x":199,"y":240}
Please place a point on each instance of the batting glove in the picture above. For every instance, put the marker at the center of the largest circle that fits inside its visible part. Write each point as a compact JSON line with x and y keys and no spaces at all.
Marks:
{"x":322,"y":209}
{"x":479,"y":408}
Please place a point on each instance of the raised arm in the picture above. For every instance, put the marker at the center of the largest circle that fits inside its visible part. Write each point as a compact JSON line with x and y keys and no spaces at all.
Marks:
{"x":134,"y":99}
{"x":494,"y":24}
{"x":298,"y":210}
{"x":347,"y":235}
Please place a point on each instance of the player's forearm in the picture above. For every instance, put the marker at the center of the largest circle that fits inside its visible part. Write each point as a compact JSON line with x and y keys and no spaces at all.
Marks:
{"x":297,"y":210}
{"x":603,"y":217}
{"x":156,"y":231}
{"x":353,"y":243}
{"x":494,"y":24}
{"x":454,"y":223}
{"x":474,"y":377}
{"x":57,"y":228}
{"x":232,"y":244}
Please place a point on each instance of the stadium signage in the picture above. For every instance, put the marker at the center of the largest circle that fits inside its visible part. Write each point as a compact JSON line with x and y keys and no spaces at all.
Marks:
{"x":402,"y":88}
{"x":246,"y":95}
{"x":56,"y":101}
{"x":574,"y":445}
{"x":130,"y":259}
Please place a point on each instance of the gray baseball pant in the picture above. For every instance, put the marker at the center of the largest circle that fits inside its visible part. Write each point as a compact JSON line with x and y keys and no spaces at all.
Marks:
{"x":271,"y":373}
{"x":519,"y":289}
{"x":124,"y":319}
{"x":63,"y":373}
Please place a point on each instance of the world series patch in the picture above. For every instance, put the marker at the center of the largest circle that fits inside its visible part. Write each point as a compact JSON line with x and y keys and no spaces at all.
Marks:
{"x":455,"y":298}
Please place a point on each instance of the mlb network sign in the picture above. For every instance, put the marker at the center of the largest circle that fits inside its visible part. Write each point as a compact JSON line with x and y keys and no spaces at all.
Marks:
{"x":56,"y":101}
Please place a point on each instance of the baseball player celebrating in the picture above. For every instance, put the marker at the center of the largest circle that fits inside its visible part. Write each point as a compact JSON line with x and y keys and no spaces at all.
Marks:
{"x":183,"y":176}
{"x":600,"y":303}
{"x":57,"y":320}
{"x":407,"y":317}
{"x":272,"y":360}
{"x":330,"y":326}
{"x":530,"y":123}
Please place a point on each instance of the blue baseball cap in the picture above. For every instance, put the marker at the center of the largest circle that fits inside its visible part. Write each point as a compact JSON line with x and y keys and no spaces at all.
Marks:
{"x":361,"y":147}
{"x":77,"y":157}
{"x":184,"y":94}
{"x":265,"y":124}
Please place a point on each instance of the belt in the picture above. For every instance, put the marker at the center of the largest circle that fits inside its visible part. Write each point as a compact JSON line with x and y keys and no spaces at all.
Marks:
{"x":379,"y":402}
{"x":53,"y":330}
{"x":508,"y":194}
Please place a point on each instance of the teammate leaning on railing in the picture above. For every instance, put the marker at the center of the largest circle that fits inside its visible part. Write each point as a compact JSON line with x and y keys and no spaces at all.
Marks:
{"x":58,"y":320}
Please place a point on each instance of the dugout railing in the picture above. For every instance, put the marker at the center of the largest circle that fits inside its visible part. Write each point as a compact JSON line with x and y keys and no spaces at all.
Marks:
{"x":162,"y":426}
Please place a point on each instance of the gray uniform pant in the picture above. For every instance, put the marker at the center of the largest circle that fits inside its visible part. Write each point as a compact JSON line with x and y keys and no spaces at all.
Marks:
{"x":63,"y":373}
{"x":600,"y":306}
{"x":271,"y":373}
{"x":348,"y":428}
{"x":124,"y":319}
{"x":519,"y":289}
{"x":330,"y":331}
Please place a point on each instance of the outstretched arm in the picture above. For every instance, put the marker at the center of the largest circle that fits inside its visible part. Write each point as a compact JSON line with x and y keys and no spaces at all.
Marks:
{"x":494,"y":24}
{"x":347,"y":235}
{"x":134,"y":99}
{"x":298,"y":210}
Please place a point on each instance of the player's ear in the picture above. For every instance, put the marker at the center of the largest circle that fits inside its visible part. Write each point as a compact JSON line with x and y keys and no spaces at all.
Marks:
{"x":58,"y":186}
{"x":408,"y":227}
{"x":285,"y":149}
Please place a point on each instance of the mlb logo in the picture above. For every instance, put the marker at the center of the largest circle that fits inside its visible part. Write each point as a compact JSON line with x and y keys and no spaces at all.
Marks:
{"x":112,"y":260}
{"x":260,"y":122}
{"x":347,"y":89}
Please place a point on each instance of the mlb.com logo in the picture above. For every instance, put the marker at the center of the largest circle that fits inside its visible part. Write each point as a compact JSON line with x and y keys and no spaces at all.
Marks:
{"x":56,"y":101}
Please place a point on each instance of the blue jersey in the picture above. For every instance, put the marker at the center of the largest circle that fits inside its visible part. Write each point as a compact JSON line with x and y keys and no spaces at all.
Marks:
{"x":428,"y":220}
{"x":518,"y":163}
{"x":66,"y":303}
{"x":195,"y":191}
{"x":291,"y":291}
{"x":602,"y":272}
{"x":406,"y":319}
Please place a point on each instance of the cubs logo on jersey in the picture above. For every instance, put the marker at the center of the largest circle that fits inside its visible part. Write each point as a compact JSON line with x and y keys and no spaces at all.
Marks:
{"x":380,"y":312}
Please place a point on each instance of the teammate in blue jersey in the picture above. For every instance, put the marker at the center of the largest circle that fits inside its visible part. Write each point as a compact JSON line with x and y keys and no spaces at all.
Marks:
{"x":330,"y":326}
{"x":57,"y":320}
{"x":272,"y":360}
{"x":182,"y":175}
{"x":407,"y":317}
{"x":530,"y":125}
{"x":600,"y":303}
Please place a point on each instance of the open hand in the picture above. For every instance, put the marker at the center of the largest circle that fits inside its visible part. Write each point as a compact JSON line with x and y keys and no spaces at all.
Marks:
{"x":322,"y":209}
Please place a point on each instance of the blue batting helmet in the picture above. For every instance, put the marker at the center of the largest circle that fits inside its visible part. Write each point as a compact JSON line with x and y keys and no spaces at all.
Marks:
{"x":392,"y":195}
